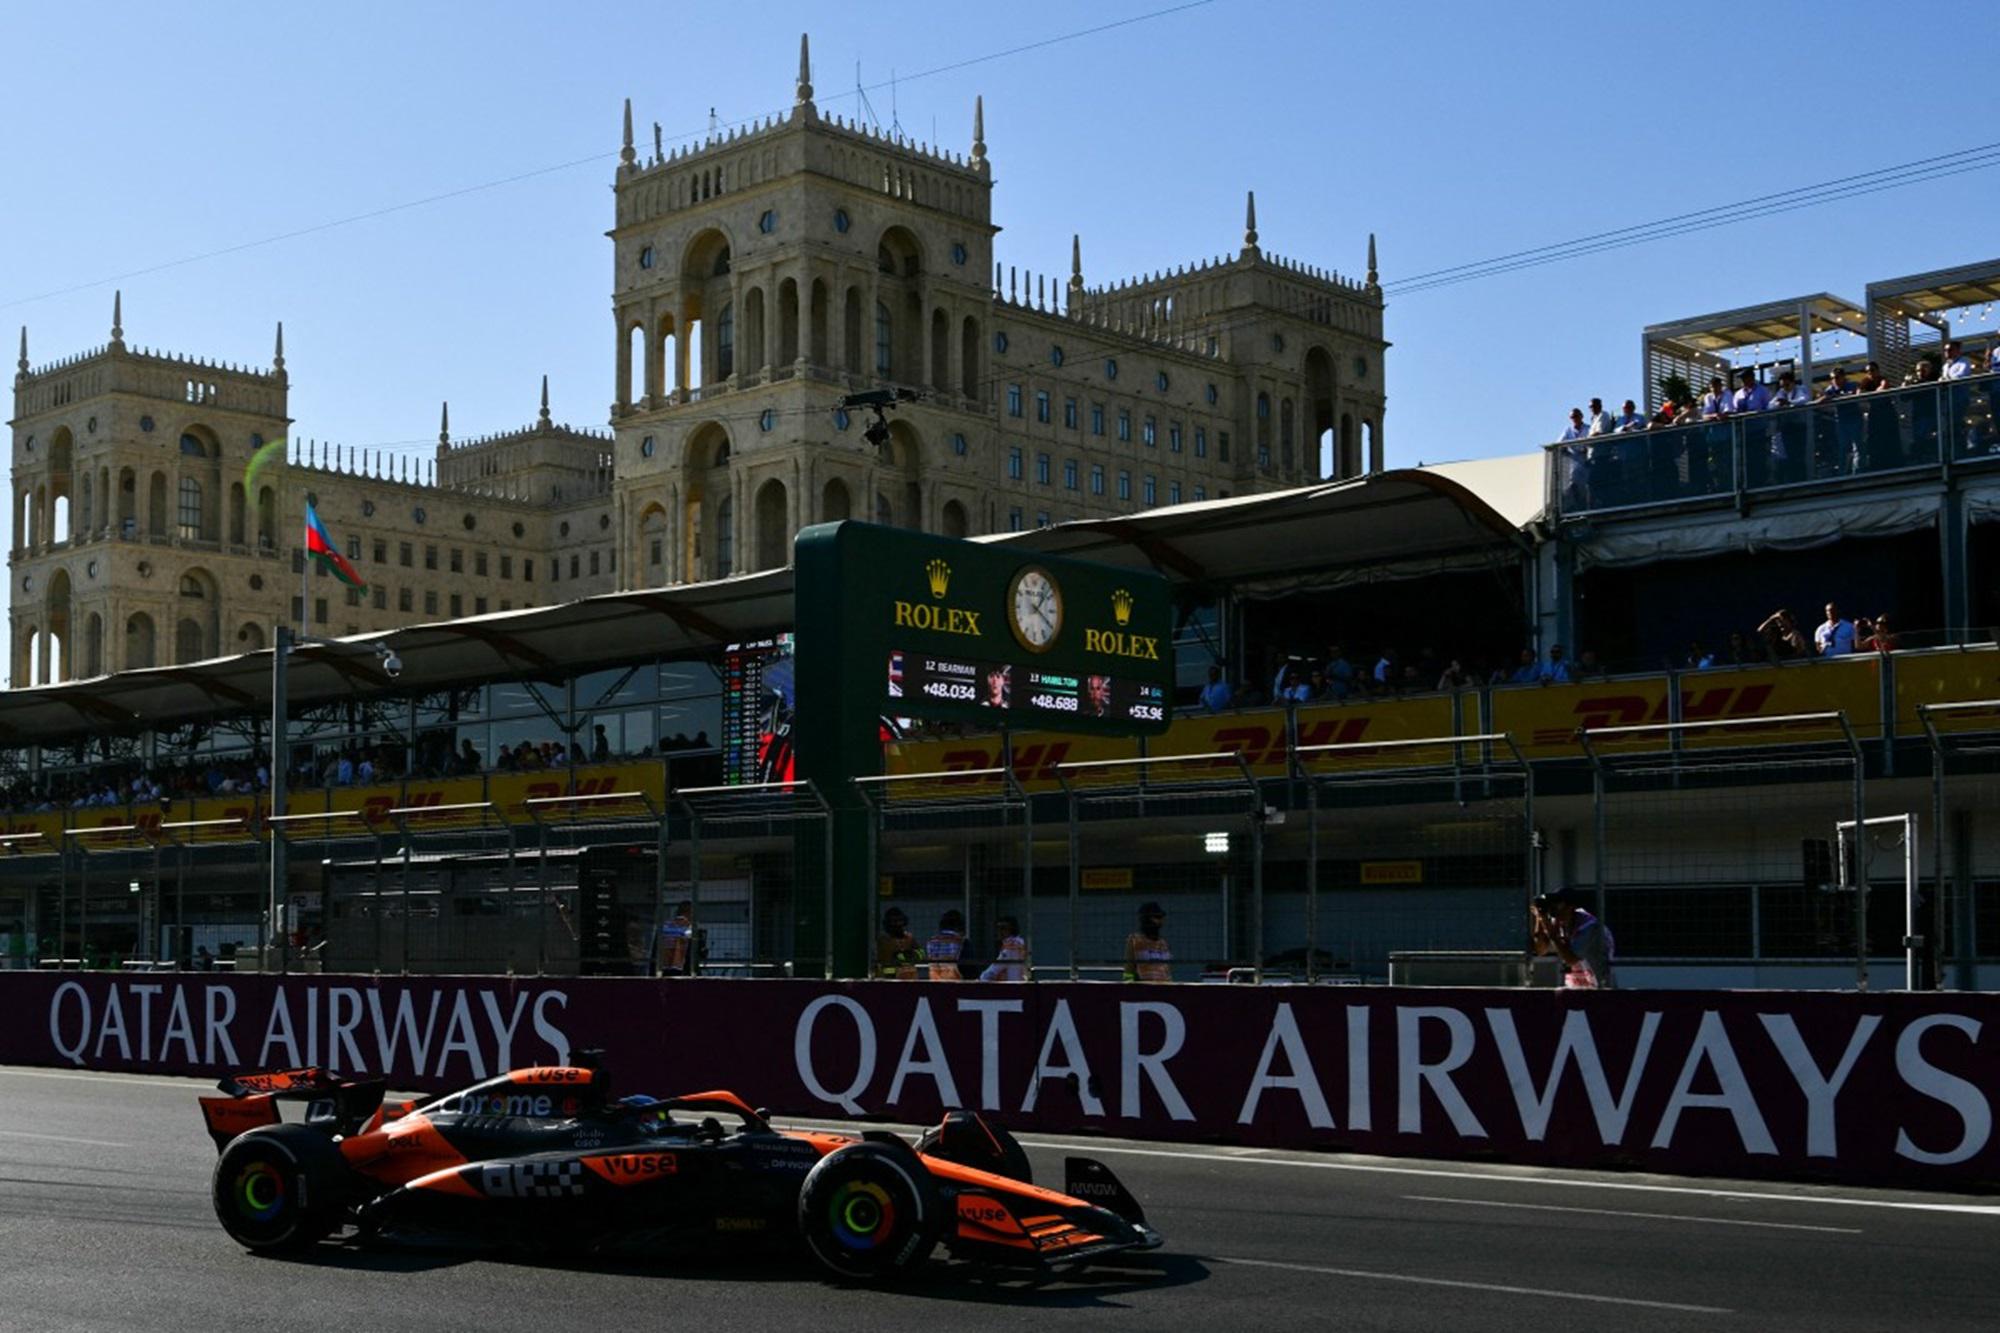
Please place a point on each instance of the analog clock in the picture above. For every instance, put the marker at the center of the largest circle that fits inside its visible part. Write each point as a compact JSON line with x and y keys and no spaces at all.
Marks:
{"x":1034,"y":609}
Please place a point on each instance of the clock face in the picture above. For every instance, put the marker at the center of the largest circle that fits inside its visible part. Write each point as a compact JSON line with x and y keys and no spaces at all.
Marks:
{"x":1034,"y":609}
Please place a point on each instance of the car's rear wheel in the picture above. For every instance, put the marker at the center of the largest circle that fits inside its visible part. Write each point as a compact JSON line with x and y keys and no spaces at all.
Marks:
{"x":869,"y":1212}
{"x":972,"y":1140}
{"x":278,"y":1188}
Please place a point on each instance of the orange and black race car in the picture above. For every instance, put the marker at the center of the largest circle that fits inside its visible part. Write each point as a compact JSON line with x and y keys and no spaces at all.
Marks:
{"x":545,"y":1154}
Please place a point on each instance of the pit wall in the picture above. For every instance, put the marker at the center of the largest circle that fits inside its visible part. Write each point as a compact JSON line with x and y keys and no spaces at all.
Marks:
{"x":1883,"y":1089}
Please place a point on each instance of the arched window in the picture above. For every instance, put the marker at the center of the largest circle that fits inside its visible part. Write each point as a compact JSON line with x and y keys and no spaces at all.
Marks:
{"x":725,"y":537}
{"x":191,"y":586}
{"x":725,"y":341}
{"x":190,"y":507}
{"x":192,"y":446}
{"x":883,"y":330}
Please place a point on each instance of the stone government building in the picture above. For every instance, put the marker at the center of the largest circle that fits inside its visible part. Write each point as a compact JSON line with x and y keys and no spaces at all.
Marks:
{"x":759,"y":277}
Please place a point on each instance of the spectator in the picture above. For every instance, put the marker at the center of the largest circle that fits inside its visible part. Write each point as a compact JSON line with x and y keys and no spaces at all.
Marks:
{"x":1587,"y":666}
{"x":896,"y":948}
{"x":1577,"y":430}
{"x":600,"y":746}
{"x":1528,"y":671}
{"x":1293,"y":690}
{"x":1578,"y":938}
{"x":1454,"y":677}
{"x":1429,"y":666}
{"x":468,"y":758}
{"x":1318,"y":690}
{"x":944,"y":949}
{"x":677,"y":941}
{"x":1629,"y":419}
{"x":1782,"y":639}
{"x":1882,"y":639}
{"x":1699,"y":658}
{"x":1215,"y":694}
{"x":1926,"y":372}
{"x":1789,"y":393}
{"x":1993,"y":358}
{"x":1838,"y":386}
{"x":1956,"y":364}
{"x":1715,"y":403}
{"x":1339,"y":671}
{"x":1750,"y":395}
{"x":1871,"y":378}
{"x":1601,"y":421}
{"x":1557,"y":671}
{"x":1834,"y":635}
{"x":1387,"y":671}
{"x":1738,"y":652}
{"x":1010,"y":961}
{"x":1147,"y":957}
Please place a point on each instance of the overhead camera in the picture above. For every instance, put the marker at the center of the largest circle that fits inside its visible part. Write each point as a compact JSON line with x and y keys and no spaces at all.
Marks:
{"x":392,"y":665}
{"x":879,"y":401}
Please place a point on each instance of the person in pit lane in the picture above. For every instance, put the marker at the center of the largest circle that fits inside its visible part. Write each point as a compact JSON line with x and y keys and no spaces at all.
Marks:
{"x":896,"y":951}
{"x":1147,"y":955}
{"x":1010,"y":963}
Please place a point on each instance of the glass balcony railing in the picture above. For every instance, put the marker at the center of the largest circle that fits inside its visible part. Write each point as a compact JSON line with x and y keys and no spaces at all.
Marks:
{"x":1860,"y":435}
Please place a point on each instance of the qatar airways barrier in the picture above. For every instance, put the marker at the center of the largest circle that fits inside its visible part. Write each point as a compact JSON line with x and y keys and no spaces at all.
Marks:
{"x":1884,"y":1088}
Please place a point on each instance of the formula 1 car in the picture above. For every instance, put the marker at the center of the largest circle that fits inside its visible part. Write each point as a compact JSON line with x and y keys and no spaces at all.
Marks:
{"x":545,"y":1152}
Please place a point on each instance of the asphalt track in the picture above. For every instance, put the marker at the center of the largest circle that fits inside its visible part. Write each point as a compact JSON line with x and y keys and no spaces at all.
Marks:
{"x":105,"y":1224}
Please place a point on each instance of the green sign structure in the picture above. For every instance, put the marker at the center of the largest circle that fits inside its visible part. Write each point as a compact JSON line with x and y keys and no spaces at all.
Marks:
{"x":893,"y":623}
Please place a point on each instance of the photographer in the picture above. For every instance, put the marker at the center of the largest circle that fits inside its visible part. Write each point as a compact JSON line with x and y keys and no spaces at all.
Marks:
{"x":1578,"y":938}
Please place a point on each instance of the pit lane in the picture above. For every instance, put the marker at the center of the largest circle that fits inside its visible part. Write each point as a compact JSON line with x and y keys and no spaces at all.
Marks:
{"x":105,"y":1224}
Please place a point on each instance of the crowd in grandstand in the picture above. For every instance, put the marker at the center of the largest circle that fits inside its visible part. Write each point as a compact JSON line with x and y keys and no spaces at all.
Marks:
{"x":1682,"y":407}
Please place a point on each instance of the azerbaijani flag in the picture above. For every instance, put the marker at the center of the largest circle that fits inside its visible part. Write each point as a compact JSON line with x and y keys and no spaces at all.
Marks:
{"x":321,"y":548}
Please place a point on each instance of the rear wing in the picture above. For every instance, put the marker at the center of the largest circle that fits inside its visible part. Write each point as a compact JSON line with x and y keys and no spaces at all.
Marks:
{"x":250,"y":1100}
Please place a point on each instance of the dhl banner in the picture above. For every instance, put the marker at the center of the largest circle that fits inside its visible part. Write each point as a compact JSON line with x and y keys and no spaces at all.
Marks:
{"x":1259,"y":737}
{"x":1953,"y":676}
{"x":237,"y":818}
{"x":1544,"y":719}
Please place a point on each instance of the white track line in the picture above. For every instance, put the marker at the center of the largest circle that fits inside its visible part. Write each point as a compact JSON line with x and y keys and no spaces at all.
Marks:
{"x":1494,"y":1287}
{"x":60,"y":1138}
{"x":1619,"y":1212}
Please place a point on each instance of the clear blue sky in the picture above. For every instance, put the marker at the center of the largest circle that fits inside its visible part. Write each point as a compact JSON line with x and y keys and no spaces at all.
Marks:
{"x":142,"y":134}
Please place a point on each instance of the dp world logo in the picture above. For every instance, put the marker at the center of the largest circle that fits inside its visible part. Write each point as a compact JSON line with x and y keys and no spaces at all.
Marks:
{"x":1121,"y":607}
{"x":939,"y":574}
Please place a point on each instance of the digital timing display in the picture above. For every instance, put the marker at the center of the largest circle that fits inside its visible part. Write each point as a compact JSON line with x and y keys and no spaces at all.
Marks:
{"x":1006,"y":687}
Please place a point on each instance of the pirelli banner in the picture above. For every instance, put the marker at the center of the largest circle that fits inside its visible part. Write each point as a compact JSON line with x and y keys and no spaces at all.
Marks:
{"x":1882,"y":1088}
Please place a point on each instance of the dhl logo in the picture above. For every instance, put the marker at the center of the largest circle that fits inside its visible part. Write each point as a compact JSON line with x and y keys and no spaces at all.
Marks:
{"x":1262,"y":746}
{"x":1631,"y":710}
{"x":582,"y":787}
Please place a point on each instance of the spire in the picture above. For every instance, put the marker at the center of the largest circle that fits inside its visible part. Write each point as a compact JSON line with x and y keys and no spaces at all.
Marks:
{"x":1373,"y":279}
{"x":444,"y":425}
{"x":22,"y":364}
{"x":659,"y":149}
{"x":627,"y":159}
{"x":544,"y":418}
{"x":1250,"y":224}
{"x":979,"y":135}
{"x":804,"y":99}
{"x":118,"y":319}
{"x":278,"y":352}
{"x":1075,"y":262}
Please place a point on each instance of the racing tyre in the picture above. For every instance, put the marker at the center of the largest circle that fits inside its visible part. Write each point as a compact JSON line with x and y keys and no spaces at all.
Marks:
{"x":869,"y":1212}
{"x":972,"y":1140}
{"x":277,"y":1188}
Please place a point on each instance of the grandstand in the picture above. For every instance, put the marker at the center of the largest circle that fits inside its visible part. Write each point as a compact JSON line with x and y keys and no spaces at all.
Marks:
{"x":471,"y":815}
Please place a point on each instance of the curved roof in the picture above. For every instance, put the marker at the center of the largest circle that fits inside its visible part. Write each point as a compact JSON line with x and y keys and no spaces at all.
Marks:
{"x":1407,"y":521}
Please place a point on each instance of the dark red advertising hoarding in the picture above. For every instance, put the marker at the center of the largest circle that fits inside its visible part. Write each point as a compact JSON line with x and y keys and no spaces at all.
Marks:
{"x":1885,"y":1088}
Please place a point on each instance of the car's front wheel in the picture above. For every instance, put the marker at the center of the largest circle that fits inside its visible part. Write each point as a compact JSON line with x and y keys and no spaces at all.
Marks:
{"x":869,"y":1212}
{"x":278,"y":1188}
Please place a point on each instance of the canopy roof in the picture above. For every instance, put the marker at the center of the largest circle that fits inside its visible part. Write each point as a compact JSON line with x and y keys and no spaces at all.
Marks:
{"x":1771,"y":321}
{"x":1387,"y":521}
{"x":1940,"y":289}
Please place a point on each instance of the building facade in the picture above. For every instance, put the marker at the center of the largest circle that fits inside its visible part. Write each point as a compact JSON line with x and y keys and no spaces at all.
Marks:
{"x":760,"y":279}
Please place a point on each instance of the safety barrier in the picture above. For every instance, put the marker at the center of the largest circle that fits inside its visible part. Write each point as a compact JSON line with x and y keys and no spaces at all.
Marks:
{"x":1885,"y":1089}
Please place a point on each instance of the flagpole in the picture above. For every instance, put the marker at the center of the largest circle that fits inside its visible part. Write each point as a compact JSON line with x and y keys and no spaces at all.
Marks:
{"x":305,"y":587}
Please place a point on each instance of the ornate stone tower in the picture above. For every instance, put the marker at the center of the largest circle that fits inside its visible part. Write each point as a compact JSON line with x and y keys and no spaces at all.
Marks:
{"x":758,"y":278}
{"x":763,"y":274}
{"x":131,"y":520}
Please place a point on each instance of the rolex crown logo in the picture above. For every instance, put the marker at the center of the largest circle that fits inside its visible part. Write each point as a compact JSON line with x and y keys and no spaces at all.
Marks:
{"x":1121,"y":606}
{"x":939,"y":574}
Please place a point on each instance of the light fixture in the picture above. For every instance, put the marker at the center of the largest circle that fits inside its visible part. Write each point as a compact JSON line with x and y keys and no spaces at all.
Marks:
{"x":1215,"y":844}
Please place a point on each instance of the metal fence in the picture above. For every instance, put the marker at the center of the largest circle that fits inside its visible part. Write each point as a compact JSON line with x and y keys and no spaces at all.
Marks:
{"x":1964,"y":860}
